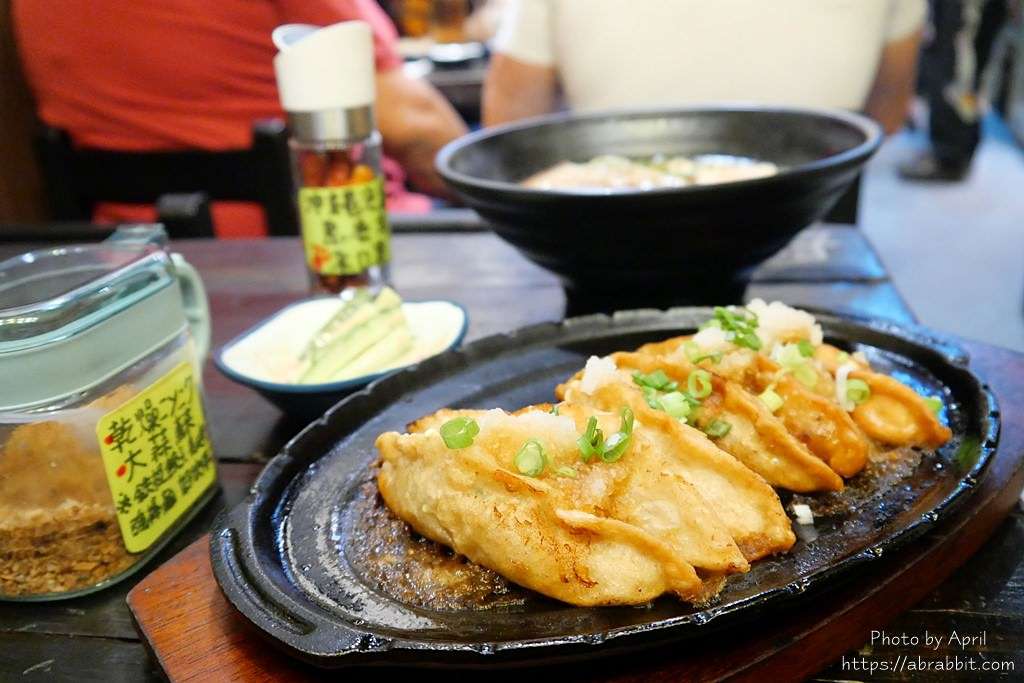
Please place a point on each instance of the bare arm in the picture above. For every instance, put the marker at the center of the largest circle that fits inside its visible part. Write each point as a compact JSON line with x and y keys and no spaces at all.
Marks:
{"x":415,"y":121}
{"x":889,"y":99}
{"x":516,"y":90}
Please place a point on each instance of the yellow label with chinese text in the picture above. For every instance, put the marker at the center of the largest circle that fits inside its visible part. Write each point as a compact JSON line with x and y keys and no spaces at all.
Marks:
{"x":345,"y":229}
{"x":157,"y":456}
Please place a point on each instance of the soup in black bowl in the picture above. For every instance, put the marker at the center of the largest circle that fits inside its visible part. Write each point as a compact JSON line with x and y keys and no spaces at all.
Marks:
{"x":623,"y":239}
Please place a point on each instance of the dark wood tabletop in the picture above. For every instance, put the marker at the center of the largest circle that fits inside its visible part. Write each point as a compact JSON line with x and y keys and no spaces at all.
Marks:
{"x":830,"y":267}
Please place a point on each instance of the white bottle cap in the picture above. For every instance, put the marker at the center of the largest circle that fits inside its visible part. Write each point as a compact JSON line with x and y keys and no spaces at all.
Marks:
{"x":326,"y":68}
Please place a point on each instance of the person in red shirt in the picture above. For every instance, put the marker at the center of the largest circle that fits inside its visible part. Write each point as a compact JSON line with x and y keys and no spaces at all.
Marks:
{"x":137,"y":75}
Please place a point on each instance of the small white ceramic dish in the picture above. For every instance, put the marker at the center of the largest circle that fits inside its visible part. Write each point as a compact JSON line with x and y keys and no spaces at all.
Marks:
{"x":260,"y":357}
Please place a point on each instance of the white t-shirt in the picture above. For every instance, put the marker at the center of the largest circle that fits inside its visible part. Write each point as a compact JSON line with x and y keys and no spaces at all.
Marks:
{"x":618,"y":53}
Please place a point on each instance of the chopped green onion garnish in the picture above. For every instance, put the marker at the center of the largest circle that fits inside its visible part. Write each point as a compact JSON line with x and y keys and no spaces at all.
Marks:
{"x":627,"y":420}
{"x":739,"y":326}
{"x":934,"y":403}
{"x":842,"y":357}
{"x":530,"y":460}
{"x":699,"y":384}
{"x":749,"y":340}
{"x":718,"y":428}
{"x":590,"y":443}
{"x":788,"y":356}
{"x":658,"y":379}
{"x":655,"y":380}
{"x":857,"y":390}
{"x":554,"y":410}
{"x":587,"y":450}
{"x":458,"y":432}
{"x":771,"y":399}
{"x":566,"y":471}
{"x":651,"y":397}
{"x":695,"y":355}
{"x":968,"y":453}
{"x":614,"y":446}
{"x":724,"y":316}
{"x":806,"y":375}
{"x":675,"y":404}
{"x":794,"y":358}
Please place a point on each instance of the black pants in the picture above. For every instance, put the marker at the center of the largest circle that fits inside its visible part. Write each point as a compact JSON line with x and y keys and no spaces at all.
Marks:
{"x":956,"y":134}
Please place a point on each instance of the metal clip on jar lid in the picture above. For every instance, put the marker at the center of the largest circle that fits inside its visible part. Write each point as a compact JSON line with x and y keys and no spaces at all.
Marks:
{"x":74,"y":316}
{"x":325,"y":79}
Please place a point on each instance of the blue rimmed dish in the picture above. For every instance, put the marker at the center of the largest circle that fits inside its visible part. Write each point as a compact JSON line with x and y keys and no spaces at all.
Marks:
{"x":252,"y":358}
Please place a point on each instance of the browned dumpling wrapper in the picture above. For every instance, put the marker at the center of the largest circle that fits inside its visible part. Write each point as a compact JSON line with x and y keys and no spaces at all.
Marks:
{"x":744,"y":501}
{"x":757,"y":438}
{"x":894,"y":414}
{"x":767,"y":442}
{"x":623,"y":532}
{"x":810,"y":414}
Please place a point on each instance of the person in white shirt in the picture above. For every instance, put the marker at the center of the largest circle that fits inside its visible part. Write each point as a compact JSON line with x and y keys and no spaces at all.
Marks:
{"x":602,"y":54}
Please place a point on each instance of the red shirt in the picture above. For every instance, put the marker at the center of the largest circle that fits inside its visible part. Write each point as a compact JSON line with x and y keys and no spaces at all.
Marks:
{"x":176,"y":74}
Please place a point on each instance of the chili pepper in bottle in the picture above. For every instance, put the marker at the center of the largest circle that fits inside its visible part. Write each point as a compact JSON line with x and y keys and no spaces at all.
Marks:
{"x":326,"y":82}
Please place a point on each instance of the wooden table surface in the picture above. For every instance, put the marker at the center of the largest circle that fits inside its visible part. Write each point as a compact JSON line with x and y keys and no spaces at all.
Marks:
{"x":93,"y":638}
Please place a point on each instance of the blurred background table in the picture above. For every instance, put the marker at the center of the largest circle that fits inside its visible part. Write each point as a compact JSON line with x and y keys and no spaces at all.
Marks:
{"x":827,"y":267}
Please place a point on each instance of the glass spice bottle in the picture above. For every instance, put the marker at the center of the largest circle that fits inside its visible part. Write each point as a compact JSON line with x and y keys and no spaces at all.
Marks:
{"x":325,"y":78}
{"x":104,"y":451}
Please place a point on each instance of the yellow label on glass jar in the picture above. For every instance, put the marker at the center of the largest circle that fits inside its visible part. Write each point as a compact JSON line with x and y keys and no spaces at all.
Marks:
{"x":345,"y":229}
{"x":157,"y":456}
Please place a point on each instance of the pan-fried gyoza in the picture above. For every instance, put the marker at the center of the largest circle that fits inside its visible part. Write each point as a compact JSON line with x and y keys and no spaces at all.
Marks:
{"x":605,"y":531}
{"x":829,"y":399}
{"x":654,"y":473}
{"x":754,"y":435}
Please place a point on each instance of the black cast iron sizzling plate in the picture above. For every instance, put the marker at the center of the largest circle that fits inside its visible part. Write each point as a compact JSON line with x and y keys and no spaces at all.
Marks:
{"x":281,"y":557}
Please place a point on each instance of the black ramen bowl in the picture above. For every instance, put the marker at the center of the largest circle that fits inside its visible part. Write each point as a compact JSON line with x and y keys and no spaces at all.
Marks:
{"x":626,"y":239}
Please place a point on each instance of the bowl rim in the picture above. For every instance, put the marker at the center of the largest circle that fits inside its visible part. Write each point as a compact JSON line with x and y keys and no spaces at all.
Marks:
{"x":872,"y":131}
{"x":326,"y":387}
